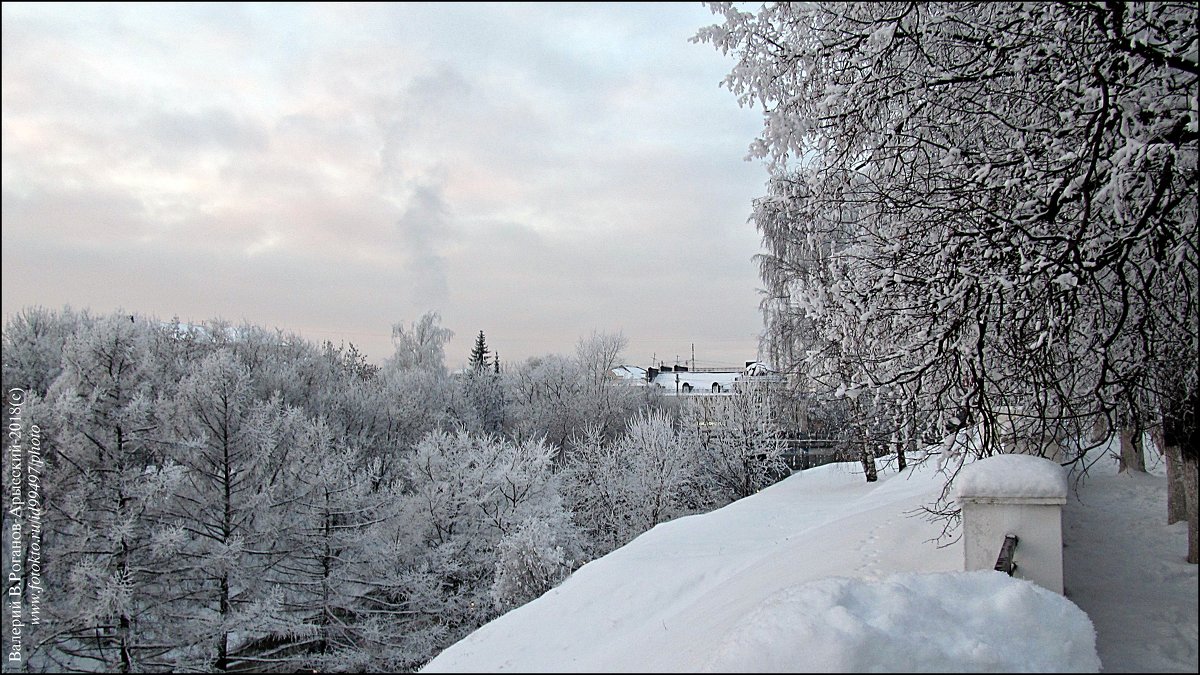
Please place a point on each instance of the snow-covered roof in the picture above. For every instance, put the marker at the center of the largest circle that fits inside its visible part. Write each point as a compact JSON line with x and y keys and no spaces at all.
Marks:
{"x":758,"y":369}
{"x":630,"y":372}
{"x":1012,"y":476}
{"x":697,"y":380}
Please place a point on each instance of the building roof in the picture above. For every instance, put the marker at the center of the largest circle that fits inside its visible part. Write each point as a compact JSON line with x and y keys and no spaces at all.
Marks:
{"x":696,"y":380}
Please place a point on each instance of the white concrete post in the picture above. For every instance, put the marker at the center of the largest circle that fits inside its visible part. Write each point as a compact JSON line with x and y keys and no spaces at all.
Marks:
{"x":1018,"y":495}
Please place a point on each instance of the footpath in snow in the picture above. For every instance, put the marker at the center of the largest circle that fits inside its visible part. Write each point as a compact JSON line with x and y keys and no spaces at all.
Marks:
{"x":1126,"y":568}
{"x":825,"y":572}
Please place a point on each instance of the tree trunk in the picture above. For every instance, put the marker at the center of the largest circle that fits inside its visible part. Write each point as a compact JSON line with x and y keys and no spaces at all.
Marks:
{"x":223,"y":636}
{"x":1180,"y":430}
{"x":1099,"y":429}
{"x":1191,"y":473}
{"x":911,"y":436}
{"x":1132,"y":457}
{"x":1177,"y":506}
{"x":868,"y":462}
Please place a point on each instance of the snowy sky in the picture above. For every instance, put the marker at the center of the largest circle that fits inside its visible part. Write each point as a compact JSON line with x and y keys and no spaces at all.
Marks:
{"x":534,"y":171}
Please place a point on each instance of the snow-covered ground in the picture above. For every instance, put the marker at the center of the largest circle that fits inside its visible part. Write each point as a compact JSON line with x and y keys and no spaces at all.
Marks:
{"x":825,"y":572}
{"x":1125,"y":567}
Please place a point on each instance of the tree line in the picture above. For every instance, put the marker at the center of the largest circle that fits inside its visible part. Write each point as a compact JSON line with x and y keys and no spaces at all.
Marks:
{"x":225,"y":497}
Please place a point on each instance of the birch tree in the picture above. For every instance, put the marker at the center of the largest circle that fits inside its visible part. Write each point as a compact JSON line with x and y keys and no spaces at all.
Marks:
{"x":1002,"y":200}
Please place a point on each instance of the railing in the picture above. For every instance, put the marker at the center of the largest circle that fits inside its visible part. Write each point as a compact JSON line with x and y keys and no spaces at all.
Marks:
{"x":1005,"y":562}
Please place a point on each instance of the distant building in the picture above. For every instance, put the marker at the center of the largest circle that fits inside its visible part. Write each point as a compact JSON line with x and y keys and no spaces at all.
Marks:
{"x":681,"y":381}
{"x":630,"y":375}
{"x":805,"y":447}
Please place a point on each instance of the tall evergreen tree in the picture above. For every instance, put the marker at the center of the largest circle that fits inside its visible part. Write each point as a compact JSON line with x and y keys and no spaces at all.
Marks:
{"x":479,"y":354}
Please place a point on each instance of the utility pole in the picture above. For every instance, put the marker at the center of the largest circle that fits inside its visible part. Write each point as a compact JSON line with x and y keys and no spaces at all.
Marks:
{"x":693,"y":356}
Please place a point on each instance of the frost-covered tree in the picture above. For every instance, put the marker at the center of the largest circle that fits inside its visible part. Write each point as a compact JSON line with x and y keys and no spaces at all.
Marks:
{"x":463,"y":495}
{"x":415,"y":402}
{"x":34,"y":339}
{"x":608,"y":406}
{"x":546,"y":397}
{"x":484,"y":407}
{"x":347,"y":358}
{"x":351,"y":402}
{"x":288,"y":366}
{"x":662,"y":469}
{"x":347,"y":603}
{"x":422,"y":345}
{"x":220,"y":530}
{"x":619,"y":489}
{"x":987,"y":208}
{"x":737,"y":442}
{"x":557,"y":397}
{"x":108,"y":486}
{"x":595,"y":484}
{"x":529,"y":561}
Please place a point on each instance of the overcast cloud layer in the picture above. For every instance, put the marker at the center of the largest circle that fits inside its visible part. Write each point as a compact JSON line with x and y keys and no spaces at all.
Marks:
{"x":533,"y":171}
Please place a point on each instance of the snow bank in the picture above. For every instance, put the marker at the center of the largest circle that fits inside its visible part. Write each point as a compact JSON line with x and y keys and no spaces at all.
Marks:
{"x":673,"y":598}
{"x":825,"y":555}
{"x":1012,"y":476}
{"x":950,"y":622}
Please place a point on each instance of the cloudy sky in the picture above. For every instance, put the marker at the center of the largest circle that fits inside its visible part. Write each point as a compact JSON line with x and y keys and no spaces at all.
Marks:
{"x":534,"y":171}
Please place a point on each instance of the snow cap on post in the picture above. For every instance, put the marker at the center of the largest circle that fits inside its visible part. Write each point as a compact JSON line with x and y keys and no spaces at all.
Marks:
{"x":1023,"y":477}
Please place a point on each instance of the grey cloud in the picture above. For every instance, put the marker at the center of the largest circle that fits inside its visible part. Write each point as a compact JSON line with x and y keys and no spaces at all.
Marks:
{"x":421,"y":108}
{"x":422,"y":229}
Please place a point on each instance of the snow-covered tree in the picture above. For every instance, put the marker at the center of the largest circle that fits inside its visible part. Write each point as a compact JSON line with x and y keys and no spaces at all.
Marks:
{"x":108,"y":485}
{"x":220,"y":531}
{"x":411,"y":403}
{"x":545,"y":396}
{"x":351,"y":402}
{"x":619,"y":489}
{"x":662,"y":469}
{"x":607,"y":406}
{"x":990,"y":208}
{"x":422,"y":345}
{"x":463,"y":495}
{"x":595,"y":484}
{"x":556,"y":397}
{"x":347,"y":600}
{"x":34,"y":339}
{"x":738,"y":446}
{"x":529,"y":562}
{"x":484,"y":407}
{"x":482,"y":401}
